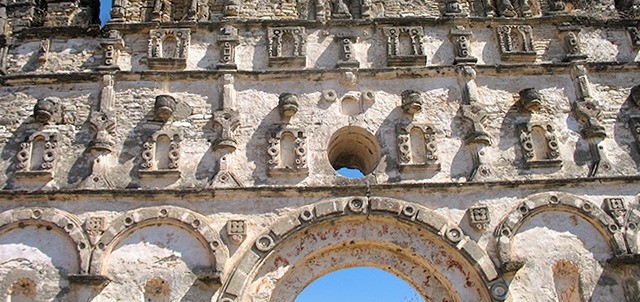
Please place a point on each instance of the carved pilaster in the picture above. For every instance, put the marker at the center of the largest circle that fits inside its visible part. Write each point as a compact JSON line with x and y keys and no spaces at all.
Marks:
{"x":571,"y":43}
{"x":296,"y":56}
{"x":227,"y":41}
{"x":397,"y":53}
{"x":461,"y":38}
{"x":516,"y":43}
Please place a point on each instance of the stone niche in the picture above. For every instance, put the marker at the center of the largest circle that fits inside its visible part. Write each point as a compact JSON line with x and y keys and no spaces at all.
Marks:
{"x":539,"y":146}
{"x":288,"y":153}
{"x":404,"y":46}
{"x":417,"y":147}
{"x":168,"y":48}
{"x":287,"y":47}
{"x":37,"y":156}
{"x":160,"y":156}
{"x":516,"y":43}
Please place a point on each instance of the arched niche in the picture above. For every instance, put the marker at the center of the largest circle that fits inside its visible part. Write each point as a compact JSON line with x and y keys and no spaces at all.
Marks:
{"x":192,"y":227}
{"x":583,"y":209}
{"x":405,"y":239}
{"x":39,"y":249}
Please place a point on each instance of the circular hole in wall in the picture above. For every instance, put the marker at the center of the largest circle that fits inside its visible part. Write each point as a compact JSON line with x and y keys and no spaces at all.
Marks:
{"x":354,"y":148}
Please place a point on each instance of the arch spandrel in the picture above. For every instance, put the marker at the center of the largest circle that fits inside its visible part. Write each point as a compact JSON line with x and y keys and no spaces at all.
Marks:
{"x":539,"y":203}
{"x":194,"y":223}
{"x":65,"y":223}
{"x":417,"y":221}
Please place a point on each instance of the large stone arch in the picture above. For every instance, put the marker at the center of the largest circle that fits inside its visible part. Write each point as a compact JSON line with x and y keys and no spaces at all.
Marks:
{"x":299,"y":238}
{"x":556,"y":201}
{"x":67,"y":224}
{"x":190,"y":221}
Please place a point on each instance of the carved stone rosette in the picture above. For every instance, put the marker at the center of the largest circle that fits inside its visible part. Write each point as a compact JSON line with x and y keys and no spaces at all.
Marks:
{"x":168,"y":48}
{"x":287,"y":153}
{"x":236,"y":230}
{"x":287,"y":46}
{"x":397,"y":55}
{"x":417,"y":147}
{"x":461,"y":38}
{"x":516,"y":43}
{"x":37,"y":156}
{"x":534,"y":154}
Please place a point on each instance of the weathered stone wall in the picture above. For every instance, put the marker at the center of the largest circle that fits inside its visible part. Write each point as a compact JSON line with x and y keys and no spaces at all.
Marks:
{"x":188,"y":150}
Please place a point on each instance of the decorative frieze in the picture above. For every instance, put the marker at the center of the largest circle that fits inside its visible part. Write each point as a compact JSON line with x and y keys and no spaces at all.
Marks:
{"x":516,"y":43}
{"x":287,"y":152}
{"x":479,"y":217}
{"x":227,"y":41}
{"x":287,"y":46}
{"x":571,"y":43}
{"x":461,"y":37}
{"x":168,"y":48}
{"x":37,"y":156}
{"x":417,"y":147}
{"x":404,"y":46}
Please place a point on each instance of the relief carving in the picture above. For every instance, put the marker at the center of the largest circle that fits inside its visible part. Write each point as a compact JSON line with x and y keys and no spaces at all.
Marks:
{"x":227,"y":41}
{"x":287,"y":47}
{"x":634,"y":35}
{"x":160,"y":156}
{"x":227,"y":120}
{"x":176,"y":11}
{"x":417,"y":147}
{"x":453,"y":9}
{"x":569,"y":36}
{"x":347,"y":54}
{"x":287,"y":152}
{"x":37,"y":156}
{"x":168,"y":48}
{"x":512,"y":8}
{"x":404,"y":46}
{"x":112,"y":44}
{"x":461,"y":42}
{"x":479,"y":217}
{"x":288,"y":105}
{"x":617,"y":209}
{"x":555,"y":7}
{"x":516,"y":43}
{"x":539,"y":145}
{"x":236,"y":230}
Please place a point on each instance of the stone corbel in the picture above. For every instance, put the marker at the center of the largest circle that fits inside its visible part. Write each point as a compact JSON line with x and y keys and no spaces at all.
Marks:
{"x":231,"y":8}
{"x":227,"y":41}
{"x":555,"y":8}
{"x":453,"y":9}
{"x":411,"y":102}
{"x":288,"y":105}
{"x":117,"y":11}
{"x":461,"y":37}
{"x":571,"y":42}
{"x":112,"y":44}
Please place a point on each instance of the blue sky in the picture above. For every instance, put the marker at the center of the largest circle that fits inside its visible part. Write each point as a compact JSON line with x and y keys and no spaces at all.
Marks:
{"x":358,"y":284}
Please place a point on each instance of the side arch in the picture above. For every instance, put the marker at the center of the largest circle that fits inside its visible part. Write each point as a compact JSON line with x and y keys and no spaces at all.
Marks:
{"x":324,"y":217}
{"x":66,"y":223}
{"x":563,"y":202}
{"x":188,"y":220}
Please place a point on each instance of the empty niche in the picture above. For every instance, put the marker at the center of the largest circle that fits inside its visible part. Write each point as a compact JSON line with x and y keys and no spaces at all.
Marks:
{"x":516,"y":43}
{"x":37,"y":155}
{"x":566,"y":277}
{"x":404,"y":46}
{"x":160,"y":156}
{"x":168,"y":48}
{"x":287,"y":46}
{"x":416,"y":147}
{"x":288,"y":152}
{"x":22,"y":290}
{"x":539,"y":146}
{"x":157,"y":290}
{"x":355,"y":148}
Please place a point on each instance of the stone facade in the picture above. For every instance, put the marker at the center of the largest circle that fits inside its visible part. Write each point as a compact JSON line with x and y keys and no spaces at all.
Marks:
{"x":188,"y":150}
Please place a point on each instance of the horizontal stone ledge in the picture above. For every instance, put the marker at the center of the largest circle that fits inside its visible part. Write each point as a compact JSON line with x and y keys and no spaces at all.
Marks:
{"x":356,"y":189}
{"x":313,"y":74}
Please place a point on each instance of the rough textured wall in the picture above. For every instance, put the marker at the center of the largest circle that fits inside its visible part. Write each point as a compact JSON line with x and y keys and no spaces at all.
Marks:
{"x":188,"y":150}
